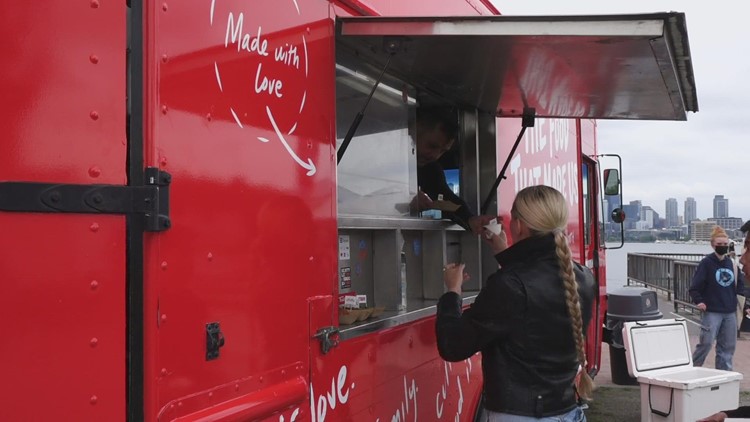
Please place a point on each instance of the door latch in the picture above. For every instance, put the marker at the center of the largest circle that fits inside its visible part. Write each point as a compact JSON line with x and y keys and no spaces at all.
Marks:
{"x":329,"y":338}
{"x":214,"y":340}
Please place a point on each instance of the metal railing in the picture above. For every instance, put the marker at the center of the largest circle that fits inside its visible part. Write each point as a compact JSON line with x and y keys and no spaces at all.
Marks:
{"x":683,"y":275}
{"x":671,"y":273}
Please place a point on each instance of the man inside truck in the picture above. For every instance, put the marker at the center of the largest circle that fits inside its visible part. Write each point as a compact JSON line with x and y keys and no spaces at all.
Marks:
{"x":437,"y":130}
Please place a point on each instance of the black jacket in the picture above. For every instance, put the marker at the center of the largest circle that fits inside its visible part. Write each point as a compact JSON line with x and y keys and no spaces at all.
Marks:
{"x":520,"y":323}
{"x":740,"y":412}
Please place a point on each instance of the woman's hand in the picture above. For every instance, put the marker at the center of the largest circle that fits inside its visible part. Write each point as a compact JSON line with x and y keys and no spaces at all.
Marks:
{"x":454,"y":276}
{"x":497,"y":242}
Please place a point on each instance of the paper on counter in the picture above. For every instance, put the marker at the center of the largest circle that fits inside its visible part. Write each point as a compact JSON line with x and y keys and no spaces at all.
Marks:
{"x":444,"y":205}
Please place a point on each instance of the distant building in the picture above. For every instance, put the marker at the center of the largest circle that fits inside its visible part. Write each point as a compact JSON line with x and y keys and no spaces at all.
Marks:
{"x":632,"y":215}
{"x":650,"y":216}
{"x":638,"y":204}
{"x":690,"y":210}
{"x":728,"y":223}
{"x":642,"y":225}
{"x":671,"y":216}
{"x":701,"y":230}
{"x":691,"y":214}
{"x":721,"y":206}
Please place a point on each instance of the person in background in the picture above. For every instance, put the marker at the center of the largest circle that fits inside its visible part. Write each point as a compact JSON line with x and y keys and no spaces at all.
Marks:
{"x":530,"y":318}
{"x":742,"y":411}
{"x":740,"y":313}
{"x":714,"y":290}
{"x":437,"y":129}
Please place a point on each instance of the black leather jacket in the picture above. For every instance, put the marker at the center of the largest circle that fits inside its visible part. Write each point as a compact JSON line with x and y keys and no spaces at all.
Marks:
{"x":520,"y":323}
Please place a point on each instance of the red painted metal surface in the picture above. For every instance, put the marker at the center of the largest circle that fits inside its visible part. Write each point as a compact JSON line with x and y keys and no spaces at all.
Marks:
{"x":63,"y":275}
{"x":594,"y":250}
{"x":240,"y":110}
{"x":548,"y":155}
{"x":394,"y":374}
{"x":242,"y":117}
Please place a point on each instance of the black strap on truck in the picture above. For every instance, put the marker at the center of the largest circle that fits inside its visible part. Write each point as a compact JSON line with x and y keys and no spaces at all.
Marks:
{"x":150,"y":200}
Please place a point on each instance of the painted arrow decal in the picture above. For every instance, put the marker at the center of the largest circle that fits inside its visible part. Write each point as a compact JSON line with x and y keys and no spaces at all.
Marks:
{"x":309,"y":165}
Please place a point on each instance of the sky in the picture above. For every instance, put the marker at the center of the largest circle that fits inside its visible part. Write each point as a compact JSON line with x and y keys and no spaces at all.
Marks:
{"x":706,"y":155}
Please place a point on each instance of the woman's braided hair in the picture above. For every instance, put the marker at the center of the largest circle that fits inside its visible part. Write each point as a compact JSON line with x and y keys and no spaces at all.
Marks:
{"x":544,"y":210}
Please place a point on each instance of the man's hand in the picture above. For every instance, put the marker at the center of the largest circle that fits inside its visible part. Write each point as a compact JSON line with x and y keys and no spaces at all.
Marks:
{"x":477,"y":223}
{"x":701,"y":306}
{"x":716,"y":417}
{"x":421,"y":202}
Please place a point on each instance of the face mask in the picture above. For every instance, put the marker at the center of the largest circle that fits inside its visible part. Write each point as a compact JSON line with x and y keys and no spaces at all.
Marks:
{"x":721,"y":250}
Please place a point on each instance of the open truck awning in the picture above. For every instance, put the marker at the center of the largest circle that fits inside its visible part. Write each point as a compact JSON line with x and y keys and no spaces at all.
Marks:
{"x":598,"y":67}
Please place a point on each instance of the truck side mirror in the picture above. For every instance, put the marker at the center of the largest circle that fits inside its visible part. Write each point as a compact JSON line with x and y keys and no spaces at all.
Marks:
{"x":611,"y":182}
{"x":618,"y":215}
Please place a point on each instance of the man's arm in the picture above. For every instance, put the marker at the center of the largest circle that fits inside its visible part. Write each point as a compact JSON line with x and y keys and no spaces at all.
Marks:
{"x":432,"y":182}
{"x":739,"y":280}
{"x":740,"y":412}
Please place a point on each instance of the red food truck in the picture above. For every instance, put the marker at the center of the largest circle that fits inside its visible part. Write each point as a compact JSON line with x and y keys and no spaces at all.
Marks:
{"x":204,"y":204}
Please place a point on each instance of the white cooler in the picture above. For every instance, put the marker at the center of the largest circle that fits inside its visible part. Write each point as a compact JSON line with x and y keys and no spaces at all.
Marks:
{"x":659,"y":355}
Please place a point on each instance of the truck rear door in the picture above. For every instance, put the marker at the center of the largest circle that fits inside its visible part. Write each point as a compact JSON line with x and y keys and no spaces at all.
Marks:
{"x":238,"y":104}
{"x":63,"y":275}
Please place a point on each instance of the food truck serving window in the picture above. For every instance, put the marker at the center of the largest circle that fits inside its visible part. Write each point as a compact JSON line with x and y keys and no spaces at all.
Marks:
{"x":379,"y":175}
{"x":390,"y":252}
{"x":598,"y":67}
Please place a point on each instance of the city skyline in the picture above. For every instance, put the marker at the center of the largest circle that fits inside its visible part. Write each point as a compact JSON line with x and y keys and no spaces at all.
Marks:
{"x":701,"y":209}
{"x":686,"y":209}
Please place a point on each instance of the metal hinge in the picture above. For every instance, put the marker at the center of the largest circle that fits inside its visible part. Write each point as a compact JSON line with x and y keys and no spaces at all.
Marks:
{"x":328,"y":337}
{"x":151,"y":200}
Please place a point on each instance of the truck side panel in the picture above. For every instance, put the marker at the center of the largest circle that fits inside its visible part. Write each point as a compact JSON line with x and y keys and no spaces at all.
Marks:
{"x":553,"y":153}
{"x":547,"y":155}
{"x":241,"y":111}
{"x":394,"y":375}
{"x":63,"y":275}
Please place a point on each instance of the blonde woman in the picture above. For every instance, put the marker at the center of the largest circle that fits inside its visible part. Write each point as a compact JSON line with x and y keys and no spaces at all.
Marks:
{"x":528,"y":321}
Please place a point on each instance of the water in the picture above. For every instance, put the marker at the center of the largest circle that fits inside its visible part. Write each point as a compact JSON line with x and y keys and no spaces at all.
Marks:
{"x":617,"y":259}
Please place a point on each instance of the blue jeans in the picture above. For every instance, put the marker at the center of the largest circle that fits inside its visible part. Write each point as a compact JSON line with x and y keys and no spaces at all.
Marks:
{"x":723,"y":329}
{"x":575,"y":415}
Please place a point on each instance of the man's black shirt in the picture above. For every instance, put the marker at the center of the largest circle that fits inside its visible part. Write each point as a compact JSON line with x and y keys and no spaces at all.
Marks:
{"x":432,"y":182}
